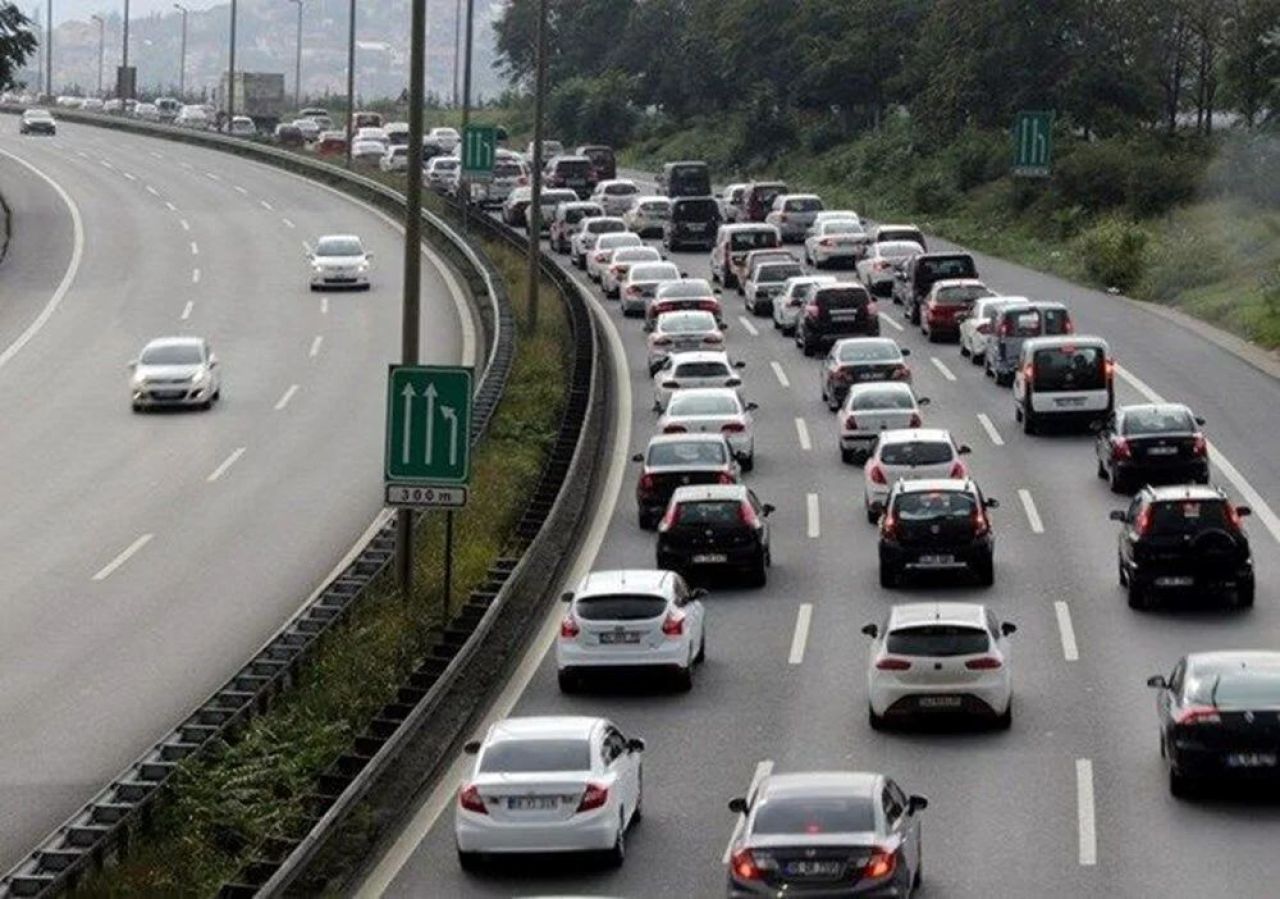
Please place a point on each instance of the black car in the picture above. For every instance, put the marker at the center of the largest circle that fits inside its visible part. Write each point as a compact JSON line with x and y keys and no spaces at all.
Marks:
{"x":1220,"y":718}
{"x":604,"y":166}
{"x":1188,"y":539}
{"x":675,"y":460}
{"x":692,"y":223}
{"x":690,"y":178}
{"x":834,"y":311}
{"x":919,"y":274}
{"x":1151,"y":443}
{"x":714,"y":528}
{"x":936,"y":525}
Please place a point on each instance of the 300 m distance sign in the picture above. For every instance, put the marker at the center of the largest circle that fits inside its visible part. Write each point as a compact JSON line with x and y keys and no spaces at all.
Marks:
{"x":428,"y":435}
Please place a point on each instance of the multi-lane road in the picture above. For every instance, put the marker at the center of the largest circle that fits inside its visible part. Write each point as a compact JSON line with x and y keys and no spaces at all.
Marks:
{"x":146,"y":557}
{"x":1074,"y":799}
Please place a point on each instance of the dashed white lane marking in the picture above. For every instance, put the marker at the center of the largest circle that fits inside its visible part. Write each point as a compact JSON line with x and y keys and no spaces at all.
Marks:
{"x":82,"y":154}
{"x":1033,"y":516}
{"x":324,"y":305}
{"x":110,"y":568}
{"x":169,"y":206}
{"x":107,"y":165}
{"x":226,"y":463}
{"x":780,"y":374}
{"x":750,"y":328}
{"x":212,"y":176}
{"x":288,"y":395}
{"x":186,"y":310}
{"x":306,"y":247}
{"x":195,"y":276}
{"x":889,"y":320}
{"x":814,"y":526}
{"x":157,"y":155}
{"x":1084,"y":812}
{"x":802,"y":432}
{"x":186,"y":165}
{"x":130,"y":176}
{"x":288,"y":224}
{"x":265,"y":205}
{"x":315,"y":347}
{"x":1070,"y":651}
{"x":241,"y":190}
{"x":990,"y":428}
{"x":195,"y":248}
{"x":151,"y":190}
{"x":763,"y":770}
{"x":942,"y":368}
{"x":186,"y":225}
{"x":801,"y":635}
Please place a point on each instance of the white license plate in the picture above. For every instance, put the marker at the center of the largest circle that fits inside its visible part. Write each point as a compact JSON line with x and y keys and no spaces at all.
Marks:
{"x":937,"y":560}
{"x":1163,"y":451}
{"x":623,"y":637}
{"x":1251,"y":760}
{"x":1175,"y":581}
{"x":709,"y":558}
{"x":1069,"y":401}
{"x":813,"y":869}
{"x":531,"y":803}
{"x":939,"y":702}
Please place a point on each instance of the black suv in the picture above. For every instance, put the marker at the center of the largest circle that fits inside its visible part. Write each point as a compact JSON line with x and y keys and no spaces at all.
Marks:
{"x":672,"y":461}
{"x":1150,"y":443}
{"x":917,"y":277}
{"x":1187,"y":538}
{"x":835,"y":311}
{"x":936,"y":525}
{"x":693,"y":222}
{"x":713,"y":528}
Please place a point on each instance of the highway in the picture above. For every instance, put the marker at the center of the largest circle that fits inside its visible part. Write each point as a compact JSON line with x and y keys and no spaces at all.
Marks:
{"x":1074,"y":800}
{"x":147,"y":557}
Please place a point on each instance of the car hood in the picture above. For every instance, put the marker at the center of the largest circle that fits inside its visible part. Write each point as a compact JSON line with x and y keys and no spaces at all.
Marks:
{"x":339,"y":261}
{"x":169,"y":372}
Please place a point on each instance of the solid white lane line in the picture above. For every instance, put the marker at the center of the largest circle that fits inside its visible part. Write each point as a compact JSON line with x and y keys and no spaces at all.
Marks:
{"x":226,"y":463}
{"x":151,"y":190}
{"x":157,"y":155}
{"x":195,"y":248}
{"x":288,"y":224}
{"x":1033,"y":516}
{"x":186,"y":310}
{"x":265,"y":205}
{"x":750,"y":328}
{"x":889,"y":320}
{"x":814,"y":524}
{"x":802,"y":432}
{"x":942,"y":368}
{"x":288,"y":395}
{"x":801,"y":635}
{"x":315,"y":347}
{"x":130,"y":176}
{"x":324,"y":305}
{"x":780,"y":374}
{"x":1069,"y":649}
{"x":985,"y":421}
{"x":169,"y":206}
{"x":185,"y":165}
{"x":241,"y":190}
{"x":1084,"y":812}
{"x":82,"y":154}
{"x":763,"y":770}
{"x":195,"y":276}
{"x":110,"y":568}
{"x":1261,"y":510}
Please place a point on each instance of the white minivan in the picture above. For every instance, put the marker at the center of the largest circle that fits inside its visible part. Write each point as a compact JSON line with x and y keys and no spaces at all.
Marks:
{"x":1067,"y":379}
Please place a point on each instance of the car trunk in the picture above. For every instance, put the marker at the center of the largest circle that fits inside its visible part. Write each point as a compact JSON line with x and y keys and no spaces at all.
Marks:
{"x":623,"y":624}
{"x":939,"y":654}
{"x":812,"y":861}
{"x":535,"y":798}
{"x":666,"y":480}
{"x":881,"y":419}
{"x":1154,"y":450}
{"x":863,"y":372}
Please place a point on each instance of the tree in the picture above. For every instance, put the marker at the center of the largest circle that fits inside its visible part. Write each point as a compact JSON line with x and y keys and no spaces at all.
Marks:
{"x":17,"y":43}
{"x":1251,"y":56}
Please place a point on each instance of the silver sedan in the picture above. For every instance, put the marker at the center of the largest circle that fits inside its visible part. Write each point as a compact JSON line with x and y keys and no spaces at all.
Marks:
{"x":339,"y":260}
{"x":175,"y":371}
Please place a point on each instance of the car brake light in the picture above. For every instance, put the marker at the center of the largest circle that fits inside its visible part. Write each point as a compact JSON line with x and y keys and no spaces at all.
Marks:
{"x":1233,"y":518}
{"x":726,"y":477}
{"x":1143,"y":524}
{"x":647,"y":483}
{"x":811,"y":310}
{"x":744,"y":866}
{"x":891,"y":664}
{"x":915,"y":421}
{"x":708,"y":305}
{"x":671,"y":385}
{"x":471,"y":800}
{"x":1198,"y":714}
{"x":675,"y":429}
{"x":1006,"y":328}
{"x":986,"y":663}
{"x":881,"y":265}
{"x":902,"y":373}
{"x":1029,"y":372}
{"x":747,"y":515}
{"x":594,"y":796}
{"x":1199,"y":446}
{"x":633,"y":291}
{"x":889,"y":526}
{"x":1110,"y":367}
{"x":983,"y":328}
{"x":980,"y":524}
{"x":733,"y":427}
{"x":957,"y":469}
{"x":615,"y":270}
{"x":873,"y":309}
{"x":713,"y":338}
{"x":851,"y":423}
{"x":881,"y":864}
{"x":569,"y":628}
{"x":876,"y":473}
{"x":826,"y":242}
{"x":1120,"y":449}
{"x":1069,"y":327}
{"x":673,"y":624}
{"x":602,"y":257}
{"x":843,"y":375}
{"x":662,"y":341}
{"x":671,"y":518}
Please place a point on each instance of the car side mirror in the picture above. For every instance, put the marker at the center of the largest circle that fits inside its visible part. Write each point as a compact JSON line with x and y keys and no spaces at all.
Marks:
{"x":1158,"y":681}
{"x":739,"y":364}
{"x":871,"y":630}
{"x":738,"y":805}
{"x":472,"y":747}
{"x":638,"y":457}
{"x":916,"y":804}
{"x":1117,"y":515}
{"x":635,"y":744}
{"x":991,"y":502}
{"x":717,"y":290}
{"x":368,"y":255}
{"x":648,"y":327}
{"x":1200,"y":420}
{"x":566,"y":596}
{"x":698,"y":593}
{"x":964,"y":449}
{"x":906,"y":351}
{"x":684,"y":274}
{"x":768,"y":509}
{"x":751,"y":407}
{"x":923,"y":401}
{"x":1008,"y":627}
{"x":1244,"y":511}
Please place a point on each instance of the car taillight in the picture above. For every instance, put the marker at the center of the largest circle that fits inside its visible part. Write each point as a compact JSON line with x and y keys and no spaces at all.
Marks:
{"x":915,"y":421}
{"x":986,"y":663}
{"x":1143,"y":524}
{"x":881,"y":265}
{"x":876,"y":473}
{"x":1029,"y":372}
{"x":671,"y":518}
{"x":744,"y":866}
{"x":471,"y":800}
{"x":842,"y":375}
{"x":782,"y":216}
{"x":673,"y":624}
{"x":957,"y":469}
{"x":1197,"y":714}
{"x":733,"y":427}
{"x":726,"y":477}
{"x":671,"y":385}
{"x":602,"y":257}
{"x":633,"y":291}
{"x":713,"y":338}
{"x":873,"y":309}
{"x":647,"y":483}
{"x":1006,"y":328}
{"x":826,"y":242}
{"x":662,"y":341}
{"x":931,"y":312}
{"x":891,"y":664}
{"x":889,"y":526}
{"x":1120,"y":449}
{"x":902,"y":373}
{"x":747,"y":515}
{"x":811,"y":310}
{"x":980,"y":523}
{"x":616,"y":270}
{"x":983,"y":328}
{"x":851,"y":423}
{"x":881,"y":864}
{"x":1199,"y":446}
{"x":569,"y":628}
{"x":556,"y":181}
{"x":1069,"y":327}
{"x":594,"y":796}
{"x":1110,"y":368}
{"x":1233,"y":518}
{"x":708,"y":305}
{"x":675,"y":429}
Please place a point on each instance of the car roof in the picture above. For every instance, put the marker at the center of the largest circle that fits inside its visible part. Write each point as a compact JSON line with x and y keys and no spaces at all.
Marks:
{"x":602,"y":218}
{"x":739,"y":227}
{"x":657,"y":255}
{"x":338,"y":237}
{"x":582,"y":204}
{"x":935,"y":485}
{"x":608,"y":181}
{"x":1174,"y":492}
{"x":796,"y":280}
{"x":544,"y":727}
{"x":635,"y":270}
{"x":660,"y":439}
{"x":568,"y":157}
{"x":647,"y":580}
{"x":699,"y":356}
{"x":176,"y":341}
{"x":897,"y":228}
{"x":696,"y":492}
{"x":674,"y":314}
{"x":651,"y":198}
{"x":911,"y":435}
{"x":879,"y":341}
{"x":1063,"y":340}
{"x":707,"y":391}
{"x":958,"y":282}
{"x":1152,"y":407}
{"x":1245,"y":658}
{"x":821,"y":783}
{"x":914,"y":613}
{"x":881,"y":387}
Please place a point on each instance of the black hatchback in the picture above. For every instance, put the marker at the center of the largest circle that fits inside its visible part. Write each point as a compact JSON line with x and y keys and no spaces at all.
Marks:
{"x":1151,"y":443}
{"x":716,"y":528}
{"x":693,"y":223}
{"x":936,"y":525}
{"x":834,"y":311}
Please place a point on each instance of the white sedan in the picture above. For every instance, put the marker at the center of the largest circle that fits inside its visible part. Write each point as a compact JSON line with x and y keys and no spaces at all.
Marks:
{"x":598,"y":257}
{"x":909,"y":455}
{"x":175,"y":371}
{"x":626,"y":620}
{"x":549,"y":784}
{"x":712,"y":410}
{"x":696,"y":368}
{"x":791,"y":299}
{"x":682,"y":331}
{"x":620,"y":262}
{"x":835,"y":240}
{"x":584,"y":239}
{"x":647,"y":214}
{"x":339,"y":260}
{"x":396,"y":159}
{"x":940,"y":657}
{"x":871,"y":409}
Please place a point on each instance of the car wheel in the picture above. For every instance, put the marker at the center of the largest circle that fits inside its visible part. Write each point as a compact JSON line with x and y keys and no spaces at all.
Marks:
{"x":568,"y":681}
{"x":777,"y":326}
{"x":917,"y":880}
{"x":915,"y":315}
{"x":1102,"y":471}
{"x":975,"y":358}
{"x":964,"y":350}
{"x":637,"y":813}
{"x":1122,"y":575}
{"x":1137,"y":595}
{"x":470,"y":861}
{"x":702,"y":650}
{"x":1180,"y":785}
{"x":1119,"y":483}
{"x":809,"y":349}
{"x":888,"y":576}
{"x":1244,"y":595}
{"x":136,"y":407}
{"x":986,"y":572}
{"x":1004,"y":380}
{"x":1005,"y":721}
{"x":618,"y":854}
{"x":873,"y":517}
{"x":684,"y":678}
{"x":1029,"y":423}
{"x":748,"y":462}
{"x":760,"y":571}
{"x":645,"y":522}
{"x":876,"y":721}
{"x":848,"y":457}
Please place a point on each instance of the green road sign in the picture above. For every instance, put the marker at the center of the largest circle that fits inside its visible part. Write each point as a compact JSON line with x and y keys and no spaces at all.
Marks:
{"x":479,"y":148}
{"x":428,"y":425}
{"x":1033,"y":144}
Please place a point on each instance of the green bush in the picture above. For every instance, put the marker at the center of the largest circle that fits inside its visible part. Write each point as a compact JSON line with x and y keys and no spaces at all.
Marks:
{"x":931,"y":192}
{"x":1183,"y":259}
{"x":1246,"y":167}
{"x":977,"y":158}
{"x":1094,"y":176}
{"x":826,"y":134}
{"x":1158,"y":183}
{"x":1114,"y":252}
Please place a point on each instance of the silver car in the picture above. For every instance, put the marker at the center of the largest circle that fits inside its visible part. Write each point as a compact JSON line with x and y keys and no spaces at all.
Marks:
{"x":175,"y":371}
{"x":679,"y":332}
{"x":766,"y":281}
{"x":880,"y":267}
{"x":788,"y":302}
{"x":615,"y":195}
{"x":647,"y":214}
{"x":339,"y":260}
{"x":793,"y":215}
{"x":642,"y":282}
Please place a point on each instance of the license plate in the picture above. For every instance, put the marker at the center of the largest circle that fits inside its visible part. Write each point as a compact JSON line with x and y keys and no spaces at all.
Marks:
{"x":1251,"y":760}
{"x":624,"y":637}
{"x":1070,"y":401}
{"x":813,"y":868}
{"x":1163,"y":451}
{"x":937,"y":560}
{"x":939,"y":702}
{"x":1175,"y":581}
{"x":531,"y":803}
{"x":709,"y":558}
{"x":844,"y":316}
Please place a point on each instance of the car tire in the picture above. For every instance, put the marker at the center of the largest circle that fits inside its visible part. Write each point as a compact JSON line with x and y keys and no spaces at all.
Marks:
{"x":684,"y":678}
{"x":758,"y":575}
{"x":702,"y":650}
{"x":1244,"y":595}
{"x":917,"y":881}
{"x":777,"y":326}
{"x":915,"y":315}
{"x":986,"y":572}
{"x":568,"y":681}
{"x":975,"y":358}
{"x":888,"y":576}
{"x":470,"y":862}
{"x":747,"y":463}
{"x":964,"y":351}
{"x":1005,"y":721}
{"x":848,"y":457}
{"x":873,"y":517}
{"x":645,"y":521}
{"x":876,"y":722}
{"x":136,"y":407}
{"x":1102,"y":471}
{"x":809,"y":349}
{"x":618,"y":854}
{"x":1118,"y":482}
{"x":1030,"y":425}
{"x":1138,"y":599}
{"x":1181,"y":786}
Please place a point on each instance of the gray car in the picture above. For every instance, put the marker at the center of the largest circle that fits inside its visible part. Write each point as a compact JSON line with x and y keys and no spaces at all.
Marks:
{"x":175,"y":371}
{"x":827,"y":834}
{"x":1011,"y":326}
{"x":793,"y":215}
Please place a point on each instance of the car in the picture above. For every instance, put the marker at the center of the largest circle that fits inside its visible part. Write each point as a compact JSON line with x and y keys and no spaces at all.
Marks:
{"x":549,"y":784}
{"x":909,"y":233}
{"x":975,"y":325}
{"x":788,"y":302}
{"x":631,"y":622}
{"x":313,"y":112}
{"x":331,"y":143}
{"x":918,"y":274}
{"x":442,"y":173}
{"x":514,"y":206}
{"x":693,"y":368}
{"x":692,"y":223}
{"x":833,"y":311}
{"x":1188,"y":538}
{"x":844,"y":215}
{"x":1063,"y":380}
{"x":758,"y":199}
{"x":615,"y":195}
{"x":192,"y":116}
{"x":689,"y":178}
{"x":713,"y":527}
{"x":572,"y":173}
{"x":289,"y":135}
{"x":372,"y":151}
{"x":678,"y":332}
{"x":712,"y":410}
{"x":147,"y":112}
{"x":826,"y":833}
{"x":744,"y":270}
{"x":396,"y":159}
{"x":879,"y":268}
{"x":861,"y":360}
{"x":620,"y":262}
{"x":793,"y":215}
{"x":377,"y":135}
{"x":583,"y":239}
{"x":936,"y":525}
{"x":1150,"y":443}
{"x":508,"y":174}
{"x":767,"y":281}
{"x":603,"y":164}
{"x":870,"y":409}
{"x":602,"y":250}
{"x":1218,"y":715}
{"x":932,"y":659}
{"x":169,"y":107}
{"x":947,"y":304}
{"x":567,"y":219}
{"x":366,"y":119}
{"x":835,"y":240}
{"x":397,"y":134}
{"x":114,"y":106}
{"x":175,"y":371}
{"x":92,"y":104}
{"x":548,"y":200}
{"x":641,"y":284}
{"x":37,"y":121}
{"x":647,"y":214}
{"x":1012,"y":325}
{"x":242,"y":126}
{"x":687,"y":293}
{"x":673,"y":460}
{"x":550,"y":150}
{"x":731,"y":202}
{"x":339,"y":260}
{"x":733,"y":243}
{"x":444,"y":137}
{"x":909,"y":455}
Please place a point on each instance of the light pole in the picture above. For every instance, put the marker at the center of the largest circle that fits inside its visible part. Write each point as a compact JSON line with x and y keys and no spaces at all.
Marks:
{"x":101,"y":42}
{"x":125,"y":87}
{"x":48,"y":52}
{"x":351,"y":75}
{"x":297,"y":66}
{"x":535,"y":192}
{"x":231,"y":71}
{"x":182,"y":57}
{"x":457,"y":46}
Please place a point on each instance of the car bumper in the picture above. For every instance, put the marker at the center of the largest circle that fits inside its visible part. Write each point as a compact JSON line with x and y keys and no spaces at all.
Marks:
{"x":1193,"y":760}
{"x":1190,"y":581}
{"x":947,"y":329}
{"x":324,"y":279}
{"x":859,"y":440}
{"x":987,"y":699}
{"x":587,"y":831}
{"x":891,"y":890}
{"x":671,"y":654}
{"x":1152,"y":473}
{"x":831,"y":254}
{"x":176,"y":395}
{"x":680,"y":558}
{"x":634,"y":304}
{"x":917,"y":558}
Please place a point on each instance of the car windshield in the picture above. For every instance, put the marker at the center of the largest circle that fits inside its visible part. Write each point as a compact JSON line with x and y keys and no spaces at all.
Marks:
{"x":752,"y":240}
{"x":932,"y":505}
{"x":772,"y":274}
{"x":916,"y":452}
{"x":1023,"y":322}
{"x":338,"y":246}
{"x":694,"y":288}
{"x":620,"y":190}
{"x":868,"y":352}
{"x":605,"y":226}
{"x":573,"y":168}
{"x":664,"y":272}
{"x":536,"y":756}
{"x":959,"y":295}
{"x":938,"y":640}
{"x":1185,"y":516}
{"x":555,"y":197}
{"x":619,"y":608}
{"x":946,"y":267}
{"x":699,"y":452}
{"x":1056,"y":321}
{"x":1237,"y":689}
{"x":444,"y":163}
{"x":684,"y":322}
{"x":1070,"y":368}
{"x":619,"y":239}
{"x":721,"y":511}
{"x":717,"y":404}
{"x":881,"y":399}
{"x":815,"y":815}
{"x":1156,"y":420}
{"x":804,"y":204}
{"x":899,"y":250}
{"x":842,"y":228}
{"x":172,"y":354}
{"x":702,"y":370}
{"x":903,"y":234}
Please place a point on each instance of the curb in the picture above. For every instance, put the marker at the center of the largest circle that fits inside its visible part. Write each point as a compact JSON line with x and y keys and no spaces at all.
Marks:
{"x":7,"y":215}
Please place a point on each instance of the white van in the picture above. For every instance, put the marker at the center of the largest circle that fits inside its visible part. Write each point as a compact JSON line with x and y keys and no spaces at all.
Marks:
{"x":1066,"y":379}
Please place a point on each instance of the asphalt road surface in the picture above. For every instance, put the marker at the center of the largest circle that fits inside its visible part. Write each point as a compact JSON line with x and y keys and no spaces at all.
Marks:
{"x":146,"y":557}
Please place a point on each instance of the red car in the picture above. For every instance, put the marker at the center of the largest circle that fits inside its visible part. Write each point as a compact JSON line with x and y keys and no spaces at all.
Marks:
{"x":946,"y":305}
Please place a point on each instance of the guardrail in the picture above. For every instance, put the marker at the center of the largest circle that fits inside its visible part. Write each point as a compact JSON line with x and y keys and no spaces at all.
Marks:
{"x":103,"y":825}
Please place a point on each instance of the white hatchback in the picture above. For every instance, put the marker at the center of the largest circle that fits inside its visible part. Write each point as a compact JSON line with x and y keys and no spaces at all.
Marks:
{"x":910,"y":455}
{"x":871,"y":409}
{"x":647,"y":214}
{"x":620,"y":261}
{"x":683,"y":371}
{"x":711,"y":410}
{"x":584,"y":238}
{"x":598,"y":258}
{"x":835,"y":240}
{"x":615,"y":195}
{"x":642,"y":282}
{"x":788,"y":303}
{"x":682,"y":331}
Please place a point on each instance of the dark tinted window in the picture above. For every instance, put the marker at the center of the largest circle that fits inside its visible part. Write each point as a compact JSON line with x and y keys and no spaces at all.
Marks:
{"x":601,"y":157}
{"x":698,"y":452}
{"x":1056,"y":322}
{"x":752,"y":240}
{"x":959,"y":296}
{"x":720,"y":511}
{"x":506,"y":170}
{"x":910,"y":234}
{"x":938,"y":640}
{"x":702,"y":370}
{"x":775,"y":273}
{"x":841,"y":297}
{"x":806,"y":204}
{"x":817,"y":814}
{"x":1159,"y":420}
{"x":1188,"y":516}
{"x":532,"y":756}
{"x":766,"y":195}
{"x":945,"y":267}
{"x":919,"y":452}
{"x":573,"y":168}
{"x":619,"y":608}
{"x":934,"y":504}
{"x":1070,"y":368}
{"x":691,"y":179}
{"x":868,"y":352}
{"x":882,"y":399}
{"x":1023,"y":323}
{"x":173,"y":354}
{"x":699,"y":210}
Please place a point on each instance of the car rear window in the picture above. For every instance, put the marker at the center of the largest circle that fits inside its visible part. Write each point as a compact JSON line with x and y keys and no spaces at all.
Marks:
{"x":656,"y":207}
{"x":636,"y":254}
{"x":574,"y":215}
{"x":753,"y":240}
{"x":620,"y":190}
{"x":719,"y":404}
{"x":766,"y":195}
{"x":700,"y":210}
{"x":1056,"y":322}
{"x":664,"y":272}
{"x":935,"y":504}
{"x":1185,"y":516}
{"x":690,"y":288}
{"x":899,"y":234}
{"x":1137,"y":422}
{"x":938,"y":640}
{"x":881,"y":399}
{"x":775,"y":273}
{"x":506,"y":170}
{"x":617,"y":240}
{"x":695,"y":452}
{"x":917,"y":452}
{"x":1023,"y":322}
{"x":601,"y":157}
{"x":573,"y":168}
{"x":684,"y":322}
{"x":842,"y":297}
{"x":691,"y":179}
{"x":946,"y":267}
{"x":804,"y":204}
{"x":1070,"y":368}
{"x":868,"y":352}
{"x":619,"y":608}
{"x":719,"y":511}
{"x":842,"y":228}
{"x":535,"y":756}
{"x":702,"y":370}
{"x":959,"y":296}
{"x":606,"y":226}
{"x":813,"y":815}
{"x":899,"y":249}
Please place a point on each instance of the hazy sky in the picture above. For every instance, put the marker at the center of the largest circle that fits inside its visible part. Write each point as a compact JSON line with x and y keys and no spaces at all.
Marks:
{"x":82,"y":9}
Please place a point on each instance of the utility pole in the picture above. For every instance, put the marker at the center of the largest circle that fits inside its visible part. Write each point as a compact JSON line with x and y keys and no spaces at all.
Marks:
{"x":457,"y":50}
{"x":102,"y":23}
{"x":48,"y":52}
{"x":466,"y":68}
{"x":351,"y":74}
{"x":182,"y":58}
{"x":231,"y":71}
{"x":535,"y":193}
{"x":297,"y":66}
{"x":126,"y":87}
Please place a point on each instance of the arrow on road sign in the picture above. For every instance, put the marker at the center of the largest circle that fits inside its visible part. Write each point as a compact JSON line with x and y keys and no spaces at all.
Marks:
{"x":408,"y":395}
{"x":450,"y":414}
{"x":430,"y":394}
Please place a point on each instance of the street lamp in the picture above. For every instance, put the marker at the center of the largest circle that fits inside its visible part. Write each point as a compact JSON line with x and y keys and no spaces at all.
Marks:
{"x":297,"y":69}
{"x":125,"y":87}
{"x":48,"y":51}
{"x":101,"y":39}
{"x":231,"y":71}
{"x":182,"y":63}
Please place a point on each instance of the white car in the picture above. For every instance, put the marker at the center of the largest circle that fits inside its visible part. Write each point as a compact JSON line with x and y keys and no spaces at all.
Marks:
{"x":310,"y":129}
{"x":605,"y":244}
{"x":625,"y":620}
{"x":940,"y":657}
{"x":846,"y":215}
{"x":835,"y":240}
{"x":911,"y":455}
{"x":243,"y":126}
{"x":975,"y":327}
{"x":858,"y":360}
{"x":691,"y":369}
{"x":446,"y":139}
{"x":191,"y":116}
{"x":615,"y":195}
{"x":443,"y":172}
{"x":711,"y":410}
{"x":642,"y":282}
{"x":871,"y":409}
{"x":879,"y":268}
{"x":175,"y":371}
{"x":793,"y":215}
{"x":620,"y":263}
{"x":731,"y":201}
{"x":397,"y":133}
{"x":378,"y":135}
{"x":339,"y":260}
{"x":92,"y":104}
{"x":370,"y":151}
{"x":647,"y":214}
{"x":584,"y":238}
{"x":548,"y":200}
{"x":549,"y":784}
{"x":396,"y":159}
{"x":765,"y":282}
{"x":508,"y":174}
{"x":680,"y":332}
{"x":788,"y":302}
